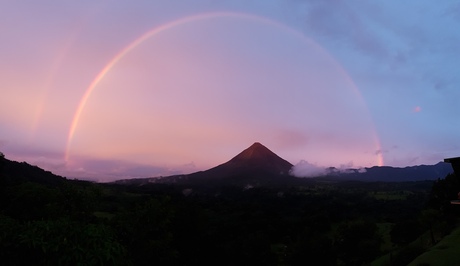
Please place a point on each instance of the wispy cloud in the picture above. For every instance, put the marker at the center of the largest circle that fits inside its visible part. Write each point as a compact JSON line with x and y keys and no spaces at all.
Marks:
{"x":306,"y":169}
{"x":110,"y":170}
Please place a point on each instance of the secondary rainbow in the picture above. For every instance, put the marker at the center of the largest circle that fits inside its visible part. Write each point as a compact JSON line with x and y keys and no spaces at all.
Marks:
{"x":56,"y":66}
{"x":149,"y":34}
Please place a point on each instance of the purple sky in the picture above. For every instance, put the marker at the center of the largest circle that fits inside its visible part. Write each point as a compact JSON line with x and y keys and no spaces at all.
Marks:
{"x":104,"y":90}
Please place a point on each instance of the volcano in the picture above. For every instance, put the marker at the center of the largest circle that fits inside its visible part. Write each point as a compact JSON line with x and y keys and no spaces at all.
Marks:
{"x":259,"y":166}
{"x":255,"y":161}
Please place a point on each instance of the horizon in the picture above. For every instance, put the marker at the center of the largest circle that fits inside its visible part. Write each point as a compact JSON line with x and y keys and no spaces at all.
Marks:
{"x":105,"y":90}
{"x":303,"y":169}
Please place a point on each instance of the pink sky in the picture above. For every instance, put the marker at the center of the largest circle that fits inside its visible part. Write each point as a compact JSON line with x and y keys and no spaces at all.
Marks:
{"x":102,"y":91}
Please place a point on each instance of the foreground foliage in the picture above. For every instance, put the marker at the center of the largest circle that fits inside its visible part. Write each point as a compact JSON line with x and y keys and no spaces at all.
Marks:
{"x":70,"y":222}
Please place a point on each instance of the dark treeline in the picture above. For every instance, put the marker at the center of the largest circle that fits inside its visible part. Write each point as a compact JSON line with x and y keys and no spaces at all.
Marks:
{"x":54,"y":221}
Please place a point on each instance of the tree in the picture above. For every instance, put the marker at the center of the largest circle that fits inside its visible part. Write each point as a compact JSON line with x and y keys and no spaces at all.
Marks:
{"x":404,"y":232}
{"x":2,"y":181}
{"x":64,"y":242}
{"x":146,"y":232}
{"x":429,"y":218}
{"x":357,"y":242}
{"x":2,"y":163}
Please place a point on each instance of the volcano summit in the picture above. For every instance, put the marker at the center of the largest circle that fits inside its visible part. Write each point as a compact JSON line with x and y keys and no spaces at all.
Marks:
{"x":255,"y":160}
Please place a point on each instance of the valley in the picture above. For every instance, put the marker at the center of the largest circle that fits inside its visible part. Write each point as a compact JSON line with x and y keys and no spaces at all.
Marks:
{"x":261,"y":218}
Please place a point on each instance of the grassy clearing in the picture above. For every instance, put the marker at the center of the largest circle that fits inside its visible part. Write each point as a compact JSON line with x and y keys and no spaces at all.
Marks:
{"x":386,"y":246}
{"x":407,"y":253}
{"x":445,"y":253}
{"x":384,"y":231}
{"x":390,"y":195}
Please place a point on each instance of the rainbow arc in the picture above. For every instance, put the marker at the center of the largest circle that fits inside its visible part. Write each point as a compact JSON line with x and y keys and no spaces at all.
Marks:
{"x":189,"y":19}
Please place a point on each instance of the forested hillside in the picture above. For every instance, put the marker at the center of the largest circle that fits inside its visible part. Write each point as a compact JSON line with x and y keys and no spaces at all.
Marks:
{"x":48,"y":220}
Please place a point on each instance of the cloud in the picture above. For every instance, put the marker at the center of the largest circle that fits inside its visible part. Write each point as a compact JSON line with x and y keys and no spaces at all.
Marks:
{"x":90,"y":168}
{"x":291,"y":138}
{"x":101,"y":170}
{"x":3,"y":143}
{"x":306,"y":169}
{"x":338,"y":20}
{"x":44,"y":158}
{"x":107,"y":170}
{"x":380,"y":151}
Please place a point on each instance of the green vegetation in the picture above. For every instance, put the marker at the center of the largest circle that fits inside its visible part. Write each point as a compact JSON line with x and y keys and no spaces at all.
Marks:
{"x":391,"y":195}
{"x":67,"y":222}
{"x":443,"y":253}
{"x":435,"y":231}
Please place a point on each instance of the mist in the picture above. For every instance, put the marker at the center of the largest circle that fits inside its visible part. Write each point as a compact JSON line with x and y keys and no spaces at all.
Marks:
{"x":308,"y":170}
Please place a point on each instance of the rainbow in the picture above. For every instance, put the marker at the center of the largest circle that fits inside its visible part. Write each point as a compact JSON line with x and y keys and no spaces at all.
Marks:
{"x":181,"y":21}
{"x":56,"y":66}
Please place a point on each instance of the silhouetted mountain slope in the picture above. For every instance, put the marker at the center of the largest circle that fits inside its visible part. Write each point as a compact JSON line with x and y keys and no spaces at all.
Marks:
{"x":257,"y":165}
{"x":396,"y":174}
{"x":255,"y":161}
{"x":13,"y":172}
{"x":254,"y":165}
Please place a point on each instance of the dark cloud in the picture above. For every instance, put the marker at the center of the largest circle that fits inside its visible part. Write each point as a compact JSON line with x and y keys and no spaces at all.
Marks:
{"x":336,"y":20}
{"x":291,"y":139}
{"x":111,"y":170}
{"x":26,"y":151}
{"x":2,"y":143}
{"x":453,"y":11}
{"x":380,"y":151}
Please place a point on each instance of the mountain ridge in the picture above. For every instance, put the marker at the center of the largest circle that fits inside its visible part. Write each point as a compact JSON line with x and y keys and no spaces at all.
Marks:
{"x":258,"y":164}
{"x":255,"y":165}
{"x":398,"y":174}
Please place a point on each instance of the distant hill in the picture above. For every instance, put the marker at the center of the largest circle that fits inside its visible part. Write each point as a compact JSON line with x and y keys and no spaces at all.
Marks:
{"x":13,"y":172}
{"x":256,"y":164}
{"x":394,"y":174}
{"x":260,"y":166}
